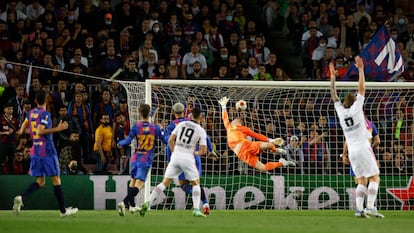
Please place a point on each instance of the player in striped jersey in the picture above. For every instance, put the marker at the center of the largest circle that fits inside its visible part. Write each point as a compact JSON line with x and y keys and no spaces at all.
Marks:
{"x":43,"y":156}
{"x":146,"y":134}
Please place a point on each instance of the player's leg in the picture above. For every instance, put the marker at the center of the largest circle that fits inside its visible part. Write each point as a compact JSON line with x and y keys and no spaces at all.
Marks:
{"x":51,"y":169}
{"x":360,"y":193}
{"x":35,"y":170}
{"x":125,"y":202}
{"x":172,"y":170}
{"x":154,"y":194}
{"x":196,"y":197}
{"x":372,"y":196}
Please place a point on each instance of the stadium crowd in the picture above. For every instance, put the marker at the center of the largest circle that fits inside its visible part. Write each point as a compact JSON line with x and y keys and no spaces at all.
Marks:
{"x":193,"y":40}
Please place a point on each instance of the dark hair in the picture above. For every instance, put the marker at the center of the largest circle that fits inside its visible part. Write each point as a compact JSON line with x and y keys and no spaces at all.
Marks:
{"x":144,"y":110}
{"x":195,"y":112}
{"x":40,"y":97}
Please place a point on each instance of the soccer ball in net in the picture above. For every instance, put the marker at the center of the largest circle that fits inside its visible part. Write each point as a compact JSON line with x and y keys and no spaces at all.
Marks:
{"x":241,"y":105}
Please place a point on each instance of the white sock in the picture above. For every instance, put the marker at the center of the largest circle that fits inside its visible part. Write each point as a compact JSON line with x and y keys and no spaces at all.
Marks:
{"x":360,"y":192}
{"x":196,"y":196}
{"x":156,"y":192}
{"x":372,"y":194}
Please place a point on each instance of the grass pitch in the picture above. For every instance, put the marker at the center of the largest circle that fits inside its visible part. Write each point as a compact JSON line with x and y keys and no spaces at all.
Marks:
{"x":181,"y":221}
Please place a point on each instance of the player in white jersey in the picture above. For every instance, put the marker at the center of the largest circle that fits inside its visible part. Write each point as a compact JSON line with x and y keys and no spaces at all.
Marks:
{"x":182,"y":142}
{"x":361,"y":156}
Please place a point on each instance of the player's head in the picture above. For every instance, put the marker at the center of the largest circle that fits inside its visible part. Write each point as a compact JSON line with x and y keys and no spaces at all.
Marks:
{"x":144,"y":110}
{"x":40,"y":97}
{"x":237,"y":122}
{"x":349,"y":100}
{"x":196,"y":114}
{"x":178,"y":108}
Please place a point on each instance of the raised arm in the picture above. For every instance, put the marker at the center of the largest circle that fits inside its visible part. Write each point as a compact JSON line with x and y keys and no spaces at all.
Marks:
{"x":361,"y":83}
{"x":334,"y":95}
{"x":223,"y":102}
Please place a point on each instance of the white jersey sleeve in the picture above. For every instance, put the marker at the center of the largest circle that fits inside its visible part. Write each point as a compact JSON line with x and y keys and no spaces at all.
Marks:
{"x":188,"y":135}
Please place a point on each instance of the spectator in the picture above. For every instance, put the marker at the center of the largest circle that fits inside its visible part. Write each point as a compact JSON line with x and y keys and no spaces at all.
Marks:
{"x":173,"y":30}
{"x":280,"y":75}
{"x":295,"y":154}
{"x":147,"y":69}
{"x":349,"y":34}
{"x":253,"y":68}
{"x":226,"y":27}
{"x":62,"y":137}
{"x":361,"y":13}
{"x":197,"y":72}
{"x":233,"y":66}
{"x":222,"y":73}
{"x":222,"y":58}
{"x":60,"y":57}
{"x":316,"y":156}
{"x":244,"y":74}
{"x":214,"y":39}
{"x":105,"y":106}
{"x":239,"y":16}
{"x":189,"y":28}
{"x":307,"y":51}
{"x":190,"y":58}
{"x":121,"y":129}
{"x":91,"y":52}
{"x":242,"y":52}
{"x":160,"y":73}
{"x":262,"y":75}
{"x":9,"y":127}
{"x":131,"y":73}
{"x":111,"y":62}
{"x":259,"y":51}
{"x":208,"y":54}
{"x":34,"y":10}
{"x":322,"y":66}
{"x":102,"y":149}
{"x":18,"y":163}
{"x":80,"y":111}
{"x":17,"y":101}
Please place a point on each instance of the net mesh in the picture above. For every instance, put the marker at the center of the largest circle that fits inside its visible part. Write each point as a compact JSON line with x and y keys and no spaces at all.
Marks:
{"x":302,"y":112}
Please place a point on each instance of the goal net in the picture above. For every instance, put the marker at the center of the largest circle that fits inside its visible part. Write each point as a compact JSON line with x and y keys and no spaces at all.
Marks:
{"x":303,"y":114}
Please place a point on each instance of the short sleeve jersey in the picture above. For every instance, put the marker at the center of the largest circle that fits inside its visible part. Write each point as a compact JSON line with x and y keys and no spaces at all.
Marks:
{"x":188,"y":135}
{"x":42,"y":145}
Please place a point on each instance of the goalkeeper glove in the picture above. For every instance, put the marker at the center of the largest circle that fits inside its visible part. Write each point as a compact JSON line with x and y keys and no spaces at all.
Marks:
{"x":278,"y":142}
{"x":223,"y":102}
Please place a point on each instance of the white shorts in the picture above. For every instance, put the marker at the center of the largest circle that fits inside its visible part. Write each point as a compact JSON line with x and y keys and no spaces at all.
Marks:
{"x":182,"y":163}
{"x":363,"y":160}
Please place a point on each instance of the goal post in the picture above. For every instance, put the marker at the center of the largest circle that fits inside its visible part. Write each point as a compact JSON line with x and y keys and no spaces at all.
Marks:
{"x":291,"y":110}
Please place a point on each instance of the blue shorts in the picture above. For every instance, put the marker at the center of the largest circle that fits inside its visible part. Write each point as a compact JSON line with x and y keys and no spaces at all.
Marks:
{"x":139,"y":171}
{"x":44,"y":166}
{"x":198,"y":165}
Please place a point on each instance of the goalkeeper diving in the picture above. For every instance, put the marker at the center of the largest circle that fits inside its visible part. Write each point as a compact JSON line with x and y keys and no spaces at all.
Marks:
{"x":248,"y":151}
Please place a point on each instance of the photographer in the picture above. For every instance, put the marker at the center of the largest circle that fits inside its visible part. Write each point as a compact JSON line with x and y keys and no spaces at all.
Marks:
{"x":73,"y":168}
{"x":69,"y":157}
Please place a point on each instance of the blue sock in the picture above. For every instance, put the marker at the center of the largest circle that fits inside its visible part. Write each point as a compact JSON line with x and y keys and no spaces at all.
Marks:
{"x":31,"y":189}
{"x":59,"y":197}
{"x":129,"y":200}
{"x":203,"y":197}
{"x":134,"y":193}
{"x":187,"y":188}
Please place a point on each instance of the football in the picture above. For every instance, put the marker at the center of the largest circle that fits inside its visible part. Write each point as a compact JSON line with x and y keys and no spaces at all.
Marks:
{"x":241,"y":105}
